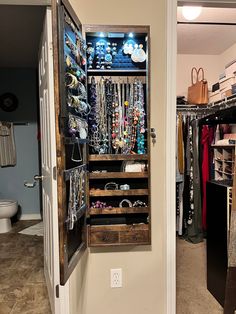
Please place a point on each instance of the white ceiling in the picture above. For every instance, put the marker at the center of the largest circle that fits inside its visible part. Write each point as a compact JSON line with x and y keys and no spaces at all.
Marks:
{"x":207,"y":39}
{"x":20,"y":31}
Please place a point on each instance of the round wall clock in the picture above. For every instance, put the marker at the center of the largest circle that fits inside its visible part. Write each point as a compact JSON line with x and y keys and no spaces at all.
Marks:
{"x":8,"y":102}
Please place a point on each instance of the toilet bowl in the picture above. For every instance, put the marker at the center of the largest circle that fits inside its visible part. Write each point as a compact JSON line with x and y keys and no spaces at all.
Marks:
{"x":8,"y":208}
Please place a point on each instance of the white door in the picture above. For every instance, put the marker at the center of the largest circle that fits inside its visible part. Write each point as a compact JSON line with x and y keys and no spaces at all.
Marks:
{"x":48,"y":160}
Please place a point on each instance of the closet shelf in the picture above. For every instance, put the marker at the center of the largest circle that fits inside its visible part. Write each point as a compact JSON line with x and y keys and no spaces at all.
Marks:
{"x":118,"y":175}
{"x":112,"y":157}
{"x":118,"y":210}
{"x":118,"y":192}
{"x":227,"y":173}
{"x":223,"y":146}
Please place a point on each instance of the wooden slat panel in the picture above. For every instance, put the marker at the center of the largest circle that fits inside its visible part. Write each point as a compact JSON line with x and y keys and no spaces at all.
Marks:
{"x":135,"y":227}
{"x":111,"y":175}
{"x":117,"y":157}
{"x":118,"y":210}
{"x":118,"y":192}
{"x":118,"y":235}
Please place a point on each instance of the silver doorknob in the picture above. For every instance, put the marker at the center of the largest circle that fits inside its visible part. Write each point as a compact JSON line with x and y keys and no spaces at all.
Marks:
{"x":37,"y":177}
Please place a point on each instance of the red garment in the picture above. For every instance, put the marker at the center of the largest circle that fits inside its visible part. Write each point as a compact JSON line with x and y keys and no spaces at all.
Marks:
{"x":206,"y":140}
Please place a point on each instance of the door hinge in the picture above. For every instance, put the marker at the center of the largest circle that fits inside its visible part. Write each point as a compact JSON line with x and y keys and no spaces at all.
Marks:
{"x":57,"y":291}
{"x":54,"y":170}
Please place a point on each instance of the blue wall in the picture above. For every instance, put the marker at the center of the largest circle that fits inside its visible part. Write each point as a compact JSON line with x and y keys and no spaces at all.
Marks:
{"x":22,"y":83}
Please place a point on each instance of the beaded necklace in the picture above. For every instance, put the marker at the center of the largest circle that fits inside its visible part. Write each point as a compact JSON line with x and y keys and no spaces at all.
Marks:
{"x":141,"y":119}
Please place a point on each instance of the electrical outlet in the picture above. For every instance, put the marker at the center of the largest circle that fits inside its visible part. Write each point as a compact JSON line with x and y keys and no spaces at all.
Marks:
{"x":116,"y":278}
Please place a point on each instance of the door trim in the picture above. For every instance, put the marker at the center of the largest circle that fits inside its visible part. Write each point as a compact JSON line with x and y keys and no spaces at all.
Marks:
{"x":170,"y":153}
{"x":171,"y":140}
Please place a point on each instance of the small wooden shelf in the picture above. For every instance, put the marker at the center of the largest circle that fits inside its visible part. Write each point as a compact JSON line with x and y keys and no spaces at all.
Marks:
{"x":118,"y":210}
{"x":224,"y":161}
{"x":118,"y":175}
{"x":111,"y":157}
{"x":223,"y":146}
{"x":105,"y":235}
{"x":118,"y":192}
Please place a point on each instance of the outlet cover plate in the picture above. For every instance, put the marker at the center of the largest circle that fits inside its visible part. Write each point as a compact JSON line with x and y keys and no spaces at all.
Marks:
{"x":116,"y":278}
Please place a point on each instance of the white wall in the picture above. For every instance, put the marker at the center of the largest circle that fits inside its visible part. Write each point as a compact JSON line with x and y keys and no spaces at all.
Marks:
{"x":144,"y":268}
{"x":213,"y":66}
{"x":228,"y":56}
{"x":210,"y":63}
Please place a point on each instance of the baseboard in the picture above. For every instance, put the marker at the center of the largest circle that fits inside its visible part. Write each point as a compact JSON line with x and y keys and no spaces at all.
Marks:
{"x":30,"y":217}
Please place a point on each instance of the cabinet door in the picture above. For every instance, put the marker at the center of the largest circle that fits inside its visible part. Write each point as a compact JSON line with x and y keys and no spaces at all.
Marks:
{"x":71,"y":135}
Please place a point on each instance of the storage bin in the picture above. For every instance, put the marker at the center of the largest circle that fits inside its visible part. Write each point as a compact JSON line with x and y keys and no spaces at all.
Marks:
{"x":227,"y":83}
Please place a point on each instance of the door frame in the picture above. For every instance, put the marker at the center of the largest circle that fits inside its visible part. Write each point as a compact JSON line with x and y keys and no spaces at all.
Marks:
{"x":64,"y":300}
{"x":171,"y":79}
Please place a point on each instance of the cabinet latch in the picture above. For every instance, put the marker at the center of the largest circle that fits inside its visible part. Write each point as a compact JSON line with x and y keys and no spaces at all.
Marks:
{"x":57,"y":291}
{"x":54,"y":173}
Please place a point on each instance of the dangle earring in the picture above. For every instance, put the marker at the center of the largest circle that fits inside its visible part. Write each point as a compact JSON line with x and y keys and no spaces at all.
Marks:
{"x":108,"y":57}
{"x":90,"y":54}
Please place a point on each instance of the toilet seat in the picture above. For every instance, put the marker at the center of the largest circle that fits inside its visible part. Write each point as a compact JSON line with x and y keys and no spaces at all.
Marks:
{"x":7,"y":202}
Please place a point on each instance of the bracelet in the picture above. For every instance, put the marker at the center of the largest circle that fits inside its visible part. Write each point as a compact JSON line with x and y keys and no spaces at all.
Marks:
{"x":139,"y":203}
{"x":124,"y":187}
{"x":126,"y":201}
{"x":111,"y":186}
{"x":99,"y":204}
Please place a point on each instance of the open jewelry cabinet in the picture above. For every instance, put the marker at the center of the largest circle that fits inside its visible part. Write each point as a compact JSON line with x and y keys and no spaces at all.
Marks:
{"x":104,"y":156}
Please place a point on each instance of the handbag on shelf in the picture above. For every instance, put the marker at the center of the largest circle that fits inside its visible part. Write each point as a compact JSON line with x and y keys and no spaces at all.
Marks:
{"x":198,"y":91}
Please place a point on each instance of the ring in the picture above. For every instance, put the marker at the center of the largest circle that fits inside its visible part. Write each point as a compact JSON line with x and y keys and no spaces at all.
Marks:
{"x":111,"y":186}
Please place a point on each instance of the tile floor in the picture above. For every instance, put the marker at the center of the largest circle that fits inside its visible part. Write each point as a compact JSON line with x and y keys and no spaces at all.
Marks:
{"x":22,"y":284}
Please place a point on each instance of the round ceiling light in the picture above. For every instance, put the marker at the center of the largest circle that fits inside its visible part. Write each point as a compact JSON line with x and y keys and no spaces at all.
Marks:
{"x":190,"y":13}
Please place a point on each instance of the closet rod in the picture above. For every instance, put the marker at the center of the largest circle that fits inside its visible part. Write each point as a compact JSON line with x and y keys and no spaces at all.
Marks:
{"x":207,"y":23}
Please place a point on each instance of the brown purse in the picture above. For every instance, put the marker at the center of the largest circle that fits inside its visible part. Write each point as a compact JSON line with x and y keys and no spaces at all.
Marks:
{"x":198,"y":91}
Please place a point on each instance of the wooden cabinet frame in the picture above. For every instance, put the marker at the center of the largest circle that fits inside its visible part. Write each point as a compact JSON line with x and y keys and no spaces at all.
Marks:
{"x":66,"y":265}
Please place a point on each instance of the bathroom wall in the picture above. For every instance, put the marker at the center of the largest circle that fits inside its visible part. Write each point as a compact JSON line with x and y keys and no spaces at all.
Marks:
{"x":22,"y":83}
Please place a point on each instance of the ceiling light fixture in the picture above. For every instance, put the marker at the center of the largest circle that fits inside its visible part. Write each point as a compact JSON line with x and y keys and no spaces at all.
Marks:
{"x":190,"y":13}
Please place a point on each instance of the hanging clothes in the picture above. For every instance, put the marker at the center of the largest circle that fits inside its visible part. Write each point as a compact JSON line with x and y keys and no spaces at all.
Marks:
{"x":179,"y":175}
{"x":207,"y":137}
{"x":180,"y":145}
{"x":7,"y":145}
{"x":194,"y":232}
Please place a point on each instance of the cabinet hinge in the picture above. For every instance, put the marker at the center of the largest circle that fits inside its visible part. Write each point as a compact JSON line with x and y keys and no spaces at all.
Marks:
{"x":54,"y":173}
{"x":57,"y":291}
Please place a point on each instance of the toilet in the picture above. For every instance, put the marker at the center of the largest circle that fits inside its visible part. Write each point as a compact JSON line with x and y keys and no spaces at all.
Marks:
{"x":8,"y":208}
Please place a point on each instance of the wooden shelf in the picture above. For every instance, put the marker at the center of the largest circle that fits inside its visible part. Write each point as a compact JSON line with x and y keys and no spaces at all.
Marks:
{"x":118,"y":175}
{"x":118,"y":210}
{"x":111,"y":157}
{"x":118,"y":192}
{"x":117,"y":235}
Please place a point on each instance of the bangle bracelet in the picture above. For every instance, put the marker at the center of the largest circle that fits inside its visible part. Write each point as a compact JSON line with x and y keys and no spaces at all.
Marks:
{"x":125,"y":201}
{"x":111,"y":186}
{"x":139,"y":203}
